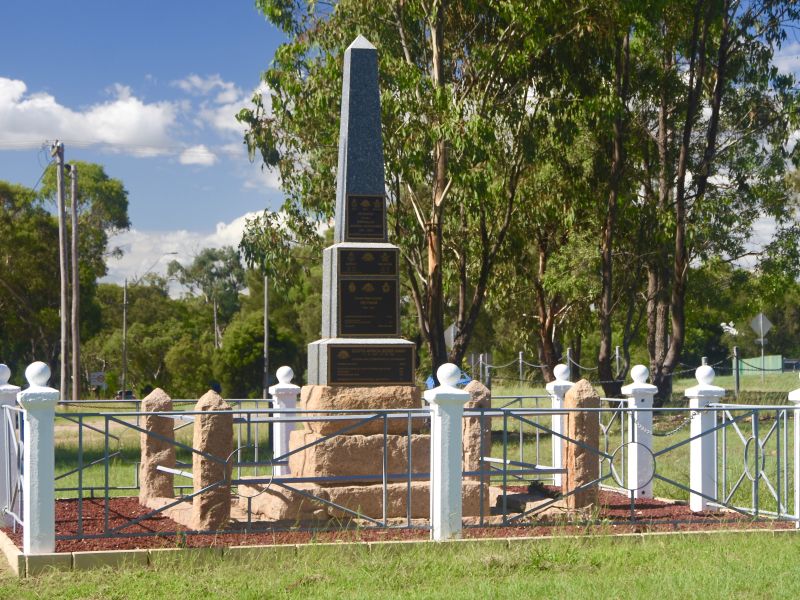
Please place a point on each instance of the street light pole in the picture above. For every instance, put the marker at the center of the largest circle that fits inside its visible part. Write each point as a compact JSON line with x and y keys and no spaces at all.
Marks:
{"x":124,"y":336}
{"x":76,"y":329}
{"x":124,"y":378}
{"x":271,"y":425}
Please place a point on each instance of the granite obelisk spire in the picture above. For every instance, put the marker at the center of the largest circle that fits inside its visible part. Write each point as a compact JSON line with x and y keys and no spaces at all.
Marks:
{"x":361,"y":342}
{"x":360,"y":170}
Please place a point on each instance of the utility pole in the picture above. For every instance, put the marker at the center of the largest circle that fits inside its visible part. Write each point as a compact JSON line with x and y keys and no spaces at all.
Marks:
{"x":266,"y":338}
{"x":216,"y":327}
{"x":271,"y":426}
{"x":57,"y":151}
{"x":76,"y":303}
{"x":124,"y":337}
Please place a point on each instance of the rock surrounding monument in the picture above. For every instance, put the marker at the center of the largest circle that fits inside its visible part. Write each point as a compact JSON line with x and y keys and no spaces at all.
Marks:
{"x":476,"y":433}
{"x":361,"y":362}
{"x":212,"y":440}
{"x":213,"y":436}
{"x":156,"y":451}
{"x":582,"y":465}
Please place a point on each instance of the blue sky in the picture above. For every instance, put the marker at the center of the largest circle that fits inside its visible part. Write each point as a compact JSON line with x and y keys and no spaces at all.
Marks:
{"x":149,"y":90}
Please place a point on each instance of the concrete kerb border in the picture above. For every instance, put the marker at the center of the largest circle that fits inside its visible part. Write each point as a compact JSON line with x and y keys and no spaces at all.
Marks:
{"x":35,"y":564}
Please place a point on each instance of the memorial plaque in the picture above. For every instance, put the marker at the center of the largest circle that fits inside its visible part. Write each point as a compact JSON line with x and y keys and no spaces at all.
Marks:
{"x":371,"y":364}
{"x":365,"y":218}
{"x":369,"y":308}
{"x":364,"y":262}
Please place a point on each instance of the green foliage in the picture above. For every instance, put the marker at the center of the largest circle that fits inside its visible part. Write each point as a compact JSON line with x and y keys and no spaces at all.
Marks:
{"x":29,"y":302}
{"x":217,"y":274}
{"x":29,"y":292}
{"x":239,"y":363}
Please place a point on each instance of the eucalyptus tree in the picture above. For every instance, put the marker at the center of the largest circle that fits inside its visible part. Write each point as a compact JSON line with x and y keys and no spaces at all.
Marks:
{"x":467,"y":90}
{"x":218,"y":276}
{"x":713,"y":118}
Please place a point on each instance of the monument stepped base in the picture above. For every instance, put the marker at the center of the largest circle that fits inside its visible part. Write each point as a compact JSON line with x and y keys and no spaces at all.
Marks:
{"x":357,"y":455}
{"x":342,"y":397}
{"x":279,"y":504}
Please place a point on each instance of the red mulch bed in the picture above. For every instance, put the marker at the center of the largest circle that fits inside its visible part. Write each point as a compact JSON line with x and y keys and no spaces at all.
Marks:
{"x":651,"y":515}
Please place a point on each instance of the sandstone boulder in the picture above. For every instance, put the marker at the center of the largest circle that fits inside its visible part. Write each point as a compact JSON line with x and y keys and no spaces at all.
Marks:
{"x":275,"y":503}
{"x":476,"y":431}
{"x":213,"y":435}
{"x":155,"y":451}
{"x":327,"y":397}
{"x":582,"y":464}
{"x":357,"y":455}
{"x":278,"y":504}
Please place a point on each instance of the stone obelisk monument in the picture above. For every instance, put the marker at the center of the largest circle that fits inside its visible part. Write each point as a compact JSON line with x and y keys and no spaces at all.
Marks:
{"x":361,"y":362}
{"x":361,"y":343}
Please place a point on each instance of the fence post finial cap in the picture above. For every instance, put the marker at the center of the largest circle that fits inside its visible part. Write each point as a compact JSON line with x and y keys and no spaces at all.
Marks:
{"x":37,"y":374}
{"x":5,"y":374}
{"x":561,"y":372}
{"x":704,"y":375}
{"x":640,"y":373}
{"x":448,"y":374}
{"x":285,"y":374}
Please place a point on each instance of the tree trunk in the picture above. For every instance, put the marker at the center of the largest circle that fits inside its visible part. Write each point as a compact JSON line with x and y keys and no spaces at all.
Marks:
{"x":610,"y":386}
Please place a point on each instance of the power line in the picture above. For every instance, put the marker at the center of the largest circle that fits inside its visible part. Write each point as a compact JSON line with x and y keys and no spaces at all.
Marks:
{"x":156,"y":148}
{"x":38,"y":181}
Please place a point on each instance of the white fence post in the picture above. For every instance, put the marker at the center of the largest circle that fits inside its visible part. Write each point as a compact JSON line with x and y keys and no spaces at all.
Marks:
{"x":703,"y":449}
{"x":557,"y":390}
{"x":8,"y":474}
{"x":641,"y":465}
{"x":794,"y":398}
{"x":39,"y":498}
{"x":284,"y":396}
{"x":447,"y":410}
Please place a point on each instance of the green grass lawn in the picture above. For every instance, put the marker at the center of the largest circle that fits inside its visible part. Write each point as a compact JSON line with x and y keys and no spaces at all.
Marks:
{"x":749,"y":565}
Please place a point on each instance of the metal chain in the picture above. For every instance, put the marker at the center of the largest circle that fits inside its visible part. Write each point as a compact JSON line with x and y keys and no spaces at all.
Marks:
{"x":683,"y":424}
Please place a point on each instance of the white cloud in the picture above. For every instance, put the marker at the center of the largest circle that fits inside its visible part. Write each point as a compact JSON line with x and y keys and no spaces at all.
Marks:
{"x":203,"y":86}
{"x":221,"y":113}
{"x":125,"y":122}
{"x":234,"y":150}
{"x":258,"y":178}
{"x":198,"y":155}
{"x":151,"y":251}
{"x":788,"y":59}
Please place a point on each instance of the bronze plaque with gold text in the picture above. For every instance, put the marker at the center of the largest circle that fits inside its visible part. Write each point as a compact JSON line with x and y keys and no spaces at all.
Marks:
{"x":362,"y":262}
{"x":365,"y":218}
{"x":371,"y":364}
{"x":369,"y":307}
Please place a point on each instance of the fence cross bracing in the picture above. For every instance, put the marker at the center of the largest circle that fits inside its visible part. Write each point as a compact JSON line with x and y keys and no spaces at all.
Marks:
{"x":13,"y":451}
{"x":732,"y":461}
{"x":761,"y":456}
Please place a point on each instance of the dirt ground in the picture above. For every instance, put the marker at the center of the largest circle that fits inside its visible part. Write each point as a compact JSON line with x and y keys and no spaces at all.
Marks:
{"x":612,"y":516}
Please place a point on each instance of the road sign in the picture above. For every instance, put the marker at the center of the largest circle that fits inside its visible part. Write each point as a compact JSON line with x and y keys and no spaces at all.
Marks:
{"x":97,"y":379}
{"x":450,"y":336}
{"x":761,"y":325}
